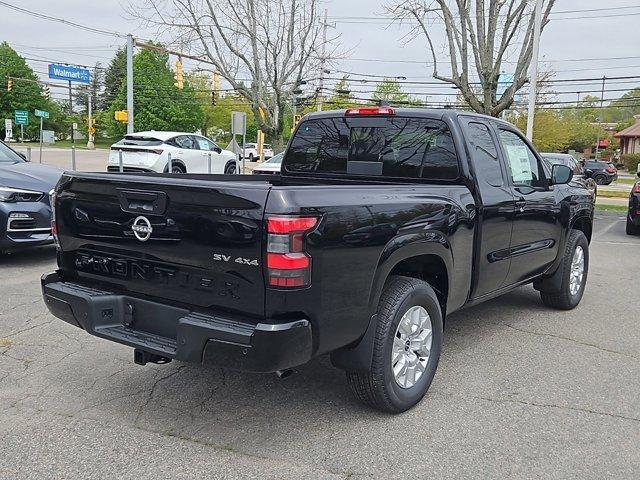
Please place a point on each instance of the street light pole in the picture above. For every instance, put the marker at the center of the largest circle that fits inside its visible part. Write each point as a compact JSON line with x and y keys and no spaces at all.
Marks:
{"x":533,"y":81}
{"x":600,"y":118}
{"x":130,"y":128}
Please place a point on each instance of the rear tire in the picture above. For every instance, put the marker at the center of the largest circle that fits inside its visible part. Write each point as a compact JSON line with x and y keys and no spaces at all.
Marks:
{"x":631,"y":228}
{"x":600,"y":179}
{"x":230,"y":169}
{"x":574,"y":279}
{"x":381,"y":387}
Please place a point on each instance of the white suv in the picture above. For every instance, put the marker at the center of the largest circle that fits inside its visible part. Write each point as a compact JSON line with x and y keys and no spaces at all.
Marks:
{"x":149,"y":152}
{"x":251,"y":151}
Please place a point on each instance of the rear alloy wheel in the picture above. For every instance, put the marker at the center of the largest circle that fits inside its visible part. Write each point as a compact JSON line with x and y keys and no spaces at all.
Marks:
{"x":575,"y":267}
{"x":406,"y":349}
{"x":600,"y":179}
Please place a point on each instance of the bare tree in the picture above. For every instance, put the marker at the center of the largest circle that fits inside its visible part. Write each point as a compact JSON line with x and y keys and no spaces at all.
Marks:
{"x":480,"y":36}
{"x":263,"y":48}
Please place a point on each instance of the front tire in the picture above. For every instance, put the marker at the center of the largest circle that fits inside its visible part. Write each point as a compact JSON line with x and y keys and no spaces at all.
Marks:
{"x":230,"y":169}
{"x":575,"y":267}
{"x":600,"y":180}
{"x":406,"y":349}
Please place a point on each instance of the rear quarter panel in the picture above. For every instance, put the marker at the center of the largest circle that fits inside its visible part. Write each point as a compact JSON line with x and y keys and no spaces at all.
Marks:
{"x":363,"y":233}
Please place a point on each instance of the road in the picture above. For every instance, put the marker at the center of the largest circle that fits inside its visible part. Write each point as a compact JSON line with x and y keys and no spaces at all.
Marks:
{"x":522,"y":391}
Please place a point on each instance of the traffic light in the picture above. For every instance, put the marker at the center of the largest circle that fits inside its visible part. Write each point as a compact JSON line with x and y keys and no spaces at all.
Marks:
{"x":9,"y":84}
{"x":47,"y":92}
{"x":215,"y":91}
{"x":179,"y":75}
{"x":214,"y":98}
{"x":122,"y":116}
{"x":296,"y":120}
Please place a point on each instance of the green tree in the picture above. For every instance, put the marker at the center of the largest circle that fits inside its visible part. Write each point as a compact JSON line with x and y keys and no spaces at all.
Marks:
{"x":158,"y":104}
{"x":341,"y":97}
{"x":114,"y":77}
{"x":390,"y":91}
{"x":26,"y":93}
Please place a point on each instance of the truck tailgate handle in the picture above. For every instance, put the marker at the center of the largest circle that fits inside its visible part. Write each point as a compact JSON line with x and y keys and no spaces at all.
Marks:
{"x":142,"y":201}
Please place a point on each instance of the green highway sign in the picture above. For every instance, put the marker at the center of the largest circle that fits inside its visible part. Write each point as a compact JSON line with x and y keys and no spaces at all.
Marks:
{"x":41,"y":114}
{"x":21,"y":117}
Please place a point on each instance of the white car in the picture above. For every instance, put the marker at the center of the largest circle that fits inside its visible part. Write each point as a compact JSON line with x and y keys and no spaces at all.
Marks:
{"x":149,"y":152}
{"x":271,"y":166}
{"x":251,"y":151}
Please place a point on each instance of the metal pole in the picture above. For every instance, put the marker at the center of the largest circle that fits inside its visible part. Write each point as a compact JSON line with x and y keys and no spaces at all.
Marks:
{"x":120,"y":161}
{"x":533,"y":81}
{"x":28,"y":154}
{"x":130,"y":128}
{"x":209,"y":161}
{"x":319,"y":97}
{"x":73,"y":137}
{"x":21,"y":133}
{"x":40,"y":139}
{"x":604,"y":79}
{"x":170,"y":165}
{"x":73,"y":157}
{"x":90,"y":142}
{"x":244,"y":142}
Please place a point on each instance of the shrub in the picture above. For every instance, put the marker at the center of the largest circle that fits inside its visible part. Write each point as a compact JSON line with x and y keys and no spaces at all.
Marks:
{"x":631,"y":161}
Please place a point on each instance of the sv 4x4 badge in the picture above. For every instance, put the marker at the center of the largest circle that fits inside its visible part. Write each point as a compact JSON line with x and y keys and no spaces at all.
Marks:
{"x":218,"y":257}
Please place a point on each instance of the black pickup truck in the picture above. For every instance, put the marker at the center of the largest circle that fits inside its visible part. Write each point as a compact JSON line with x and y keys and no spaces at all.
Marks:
{"x":381,"y":224}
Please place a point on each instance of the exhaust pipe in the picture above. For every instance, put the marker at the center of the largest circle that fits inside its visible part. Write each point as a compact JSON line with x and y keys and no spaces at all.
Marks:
{"x":284,"y":373}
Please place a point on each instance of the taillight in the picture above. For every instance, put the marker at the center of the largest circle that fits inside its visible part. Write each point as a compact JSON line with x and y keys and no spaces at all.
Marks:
{"x":54,"y":225}
{"x":288,"y":265}
{"x":611,"y":169}
{"x":369,"y":112}
{"x":636,"y":188}
{"x":157,"y":151}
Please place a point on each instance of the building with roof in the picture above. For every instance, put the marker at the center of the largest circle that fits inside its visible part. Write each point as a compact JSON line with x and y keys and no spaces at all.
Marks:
{"x":630,"y":138}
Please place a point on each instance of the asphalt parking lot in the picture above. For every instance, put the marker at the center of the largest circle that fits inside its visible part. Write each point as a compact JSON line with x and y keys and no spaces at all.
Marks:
{"x":522,"y":391}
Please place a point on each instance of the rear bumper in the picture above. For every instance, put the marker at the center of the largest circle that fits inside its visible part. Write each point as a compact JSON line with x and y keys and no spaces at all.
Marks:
{"x":178,"y":333}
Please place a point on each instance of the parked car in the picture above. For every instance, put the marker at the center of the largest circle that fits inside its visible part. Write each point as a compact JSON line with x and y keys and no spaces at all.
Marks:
{"x":251,"y":151}
{"x":149,"y":152}
{"x":25,"y":215}
{"x":382,"y":223}
{"x":271,"y":166}
{"x":603,"y":173}
{"x":575,"y":165}
{"x":633,"y":215}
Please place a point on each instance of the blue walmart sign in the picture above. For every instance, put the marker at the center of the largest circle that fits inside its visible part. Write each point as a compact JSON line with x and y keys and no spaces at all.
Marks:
{"x":73,"y":74}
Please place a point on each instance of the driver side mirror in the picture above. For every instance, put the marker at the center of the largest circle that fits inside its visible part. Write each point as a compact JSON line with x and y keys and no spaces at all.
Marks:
{"x":561,"y":175}
{"x":217,"y":149}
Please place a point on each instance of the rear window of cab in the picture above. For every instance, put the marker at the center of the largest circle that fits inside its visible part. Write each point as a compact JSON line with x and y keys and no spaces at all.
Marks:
{"x":401,"y":147}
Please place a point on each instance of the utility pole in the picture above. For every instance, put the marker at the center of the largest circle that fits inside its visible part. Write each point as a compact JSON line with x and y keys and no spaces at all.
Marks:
{"x":90,"y":141}
{"x":73,"y":139}
{"x":604,"y":79}
{"x":323,"y":60}
{"x":533,"y":81}
{"x":130,"y":128}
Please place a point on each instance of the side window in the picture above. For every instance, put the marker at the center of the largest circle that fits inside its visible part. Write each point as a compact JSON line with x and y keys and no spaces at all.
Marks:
{"x":203,"y":144}
{"x":484,"y":154}
{"x":185,"y":141}
{"x":523,"y":164}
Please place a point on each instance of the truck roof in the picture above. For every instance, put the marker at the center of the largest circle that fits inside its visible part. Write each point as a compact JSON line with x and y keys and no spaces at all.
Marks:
{"x":436,"y":113}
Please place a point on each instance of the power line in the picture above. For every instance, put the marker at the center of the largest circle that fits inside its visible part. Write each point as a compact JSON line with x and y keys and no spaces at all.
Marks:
{"x":61,"y":20}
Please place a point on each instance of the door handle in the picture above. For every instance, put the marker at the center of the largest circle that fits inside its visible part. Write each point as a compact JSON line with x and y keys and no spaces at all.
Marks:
{"x":520,"y":204}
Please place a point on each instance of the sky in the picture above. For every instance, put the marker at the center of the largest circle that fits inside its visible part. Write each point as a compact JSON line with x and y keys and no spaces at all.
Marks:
{"x":583,"y":44}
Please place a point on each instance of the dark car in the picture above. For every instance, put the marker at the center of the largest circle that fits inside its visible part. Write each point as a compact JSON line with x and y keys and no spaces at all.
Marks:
{"x":633,"y":217}
{"x":25,"y":214}
{"x":603,"y":173}
{"x":577,"y":168}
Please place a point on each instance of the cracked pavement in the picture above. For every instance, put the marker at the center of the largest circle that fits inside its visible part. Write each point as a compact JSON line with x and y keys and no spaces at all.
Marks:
{"x":522,"y":391}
